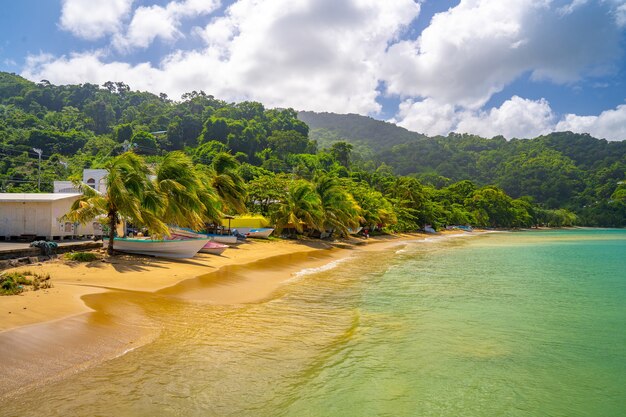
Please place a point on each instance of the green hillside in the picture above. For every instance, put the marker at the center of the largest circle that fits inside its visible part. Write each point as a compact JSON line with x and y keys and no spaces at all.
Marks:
{"x":276,"y":160}
{"x":562,"y":169}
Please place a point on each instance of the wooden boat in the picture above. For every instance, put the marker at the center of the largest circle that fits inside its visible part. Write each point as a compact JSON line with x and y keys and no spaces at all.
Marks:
{"x":175,"y":248}
{"x":355,"y":231}
{"x":225,"y":239}
{"x":190,"y":234}
{"x":210,"y":247}
{"x":262,"y":233}
{"x":214,"y":248}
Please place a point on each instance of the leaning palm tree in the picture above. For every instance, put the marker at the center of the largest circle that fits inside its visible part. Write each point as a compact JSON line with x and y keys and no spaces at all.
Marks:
{"x":188,"y":198}
{"x":228,"y":183}
{"x":341,"y":211}
{"x":300,"y":206}
{"x":129,"y":195}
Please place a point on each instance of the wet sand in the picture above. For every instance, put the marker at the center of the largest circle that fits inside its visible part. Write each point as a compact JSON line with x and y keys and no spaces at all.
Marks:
{"x":99,"y":310}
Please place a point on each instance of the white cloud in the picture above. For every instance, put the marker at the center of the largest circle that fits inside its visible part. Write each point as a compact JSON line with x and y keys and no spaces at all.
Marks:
{"x":610,"y":124}
{"x":427,"y":116}
{"x":516,"y":117}
{"x":307,"y":54}
{"x":620,"y":15}
{"x":333,"y":55}
{"x":475,"y":49}
{"x":88,"y":67}
{"x":151,"y":22}
{"x":92,"y":20}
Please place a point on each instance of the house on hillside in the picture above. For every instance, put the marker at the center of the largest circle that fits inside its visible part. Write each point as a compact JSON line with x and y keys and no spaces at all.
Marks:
{"x":95,"y":178}
{"x":37,"y":216}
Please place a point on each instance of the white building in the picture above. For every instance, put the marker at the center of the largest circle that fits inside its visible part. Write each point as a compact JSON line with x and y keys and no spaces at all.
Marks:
{"x":38,"y":216}
{"x":95,"y":178}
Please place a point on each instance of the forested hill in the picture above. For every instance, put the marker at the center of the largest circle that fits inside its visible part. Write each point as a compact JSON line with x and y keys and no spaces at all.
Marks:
{"x":559,"y":169}
{"x":361,"y":131}
{"x":83,"y":126}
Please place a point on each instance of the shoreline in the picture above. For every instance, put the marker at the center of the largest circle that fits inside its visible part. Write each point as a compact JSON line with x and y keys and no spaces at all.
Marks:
{"x":95,"y":314}
{"x":72,"y":281}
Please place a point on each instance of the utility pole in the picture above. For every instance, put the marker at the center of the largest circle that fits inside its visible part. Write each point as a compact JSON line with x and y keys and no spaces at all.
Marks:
{"x":39,"y":152}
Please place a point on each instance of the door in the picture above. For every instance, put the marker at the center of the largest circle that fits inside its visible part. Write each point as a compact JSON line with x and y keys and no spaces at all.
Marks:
{"x":30,"y":220}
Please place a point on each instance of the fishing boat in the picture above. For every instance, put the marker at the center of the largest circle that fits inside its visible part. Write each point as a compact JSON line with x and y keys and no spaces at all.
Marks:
{"x":210,"y":247}
{"x":255,"y":226}
{"x":188,"y":233}
{"x":261,"y":233}
{"x":224,"y":239}
{"x":213,"y":248}
{"x":174,"y":248}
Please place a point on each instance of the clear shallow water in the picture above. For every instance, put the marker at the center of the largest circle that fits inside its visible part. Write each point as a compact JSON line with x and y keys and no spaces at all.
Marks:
{"x":522,"y":324}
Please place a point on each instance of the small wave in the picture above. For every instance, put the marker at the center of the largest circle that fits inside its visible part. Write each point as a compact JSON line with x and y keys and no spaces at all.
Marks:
{"x":308,"y":271}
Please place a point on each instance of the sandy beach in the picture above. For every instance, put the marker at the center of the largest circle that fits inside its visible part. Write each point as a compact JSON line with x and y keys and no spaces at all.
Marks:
{"x":91,"y":314}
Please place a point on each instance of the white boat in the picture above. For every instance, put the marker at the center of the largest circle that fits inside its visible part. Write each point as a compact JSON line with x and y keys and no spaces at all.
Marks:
{"x":188,"y":233}
{"x":225,"y":239}
{"x":214,"y":248}
{"x":210,"y":247}
{"x":180,"y":248}
{"x":261,"y":233}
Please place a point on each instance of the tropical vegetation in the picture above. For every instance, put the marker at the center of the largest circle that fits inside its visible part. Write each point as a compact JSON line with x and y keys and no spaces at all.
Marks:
{"x":189,"y":162}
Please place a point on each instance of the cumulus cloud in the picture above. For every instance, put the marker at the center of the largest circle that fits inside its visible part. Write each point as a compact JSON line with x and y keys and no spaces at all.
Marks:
{"x":151,"y":22}
{"x":610,"y":124}
{"x":308,"y":54}
{"x":515,"y":118}
{"x":473,"y":50}
{"x":92,"y":20}
{"x":88,"y":68}
{"x":427,"y":116}
{"x":334,"y":55}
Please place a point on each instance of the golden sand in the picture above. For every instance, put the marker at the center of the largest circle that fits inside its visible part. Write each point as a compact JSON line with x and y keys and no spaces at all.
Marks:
{"x":90,"y":314}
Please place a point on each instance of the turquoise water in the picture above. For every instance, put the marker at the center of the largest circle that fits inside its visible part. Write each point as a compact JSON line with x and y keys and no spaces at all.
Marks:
{"x":505,"y":324}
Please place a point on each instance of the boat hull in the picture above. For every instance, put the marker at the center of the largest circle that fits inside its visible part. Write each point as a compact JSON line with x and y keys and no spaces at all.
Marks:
{"x":175,"y":249}
{"x":263,"y":233}
{"x":186,"y":233}
{"x":214,"y":248}
{"x":225,"y":239}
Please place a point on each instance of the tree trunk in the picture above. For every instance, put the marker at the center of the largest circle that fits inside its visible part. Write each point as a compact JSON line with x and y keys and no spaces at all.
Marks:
{"x":112,"y":227}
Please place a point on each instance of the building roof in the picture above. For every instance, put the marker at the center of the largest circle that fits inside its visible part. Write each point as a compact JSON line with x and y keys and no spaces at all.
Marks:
{"x":35,"y":197}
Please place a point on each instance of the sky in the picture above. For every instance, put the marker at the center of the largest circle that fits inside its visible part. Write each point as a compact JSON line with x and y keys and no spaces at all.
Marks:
{"x":516,"y":68}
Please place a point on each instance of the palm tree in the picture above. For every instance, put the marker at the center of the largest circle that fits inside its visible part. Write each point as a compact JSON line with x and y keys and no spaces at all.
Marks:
{"x":341,"y":211}
{"x":189,"y":199}
{"x":228,"y":183}
{"x":129,"y":194}
{"x":300,"y":206}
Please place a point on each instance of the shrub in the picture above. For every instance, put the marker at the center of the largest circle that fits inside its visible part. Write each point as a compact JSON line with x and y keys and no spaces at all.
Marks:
{"x":41,"y":282}
{"x":13,"y":283}
{"x":81,"y":256}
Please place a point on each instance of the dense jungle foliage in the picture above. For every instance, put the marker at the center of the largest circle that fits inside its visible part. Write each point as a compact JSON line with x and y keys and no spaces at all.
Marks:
{"x":266,"y":161}
{"x":558,"y":170}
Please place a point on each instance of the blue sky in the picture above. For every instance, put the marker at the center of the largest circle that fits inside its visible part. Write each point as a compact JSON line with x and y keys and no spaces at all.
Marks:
{"x":519,"y":68}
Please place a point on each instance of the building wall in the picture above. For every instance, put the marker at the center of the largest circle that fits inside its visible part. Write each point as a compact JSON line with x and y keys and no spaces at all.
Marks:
{"x":95,"y":178}
{"x":24,"y":218}
{"x":61,"y":228}
{"x":65,"y":187}
{"x":42,"y":219}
